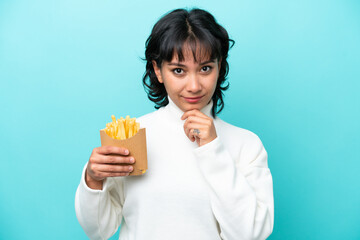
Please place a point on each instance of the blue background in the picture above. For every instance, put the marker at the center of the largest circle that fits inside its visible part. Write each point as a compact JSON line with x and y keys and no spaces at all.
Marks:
{"x":66,"y":66}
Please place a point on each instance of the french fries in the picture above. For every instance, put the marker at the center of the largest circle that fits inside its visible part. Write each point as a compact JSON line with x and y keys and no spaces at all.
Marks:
{"x":122,"y":128}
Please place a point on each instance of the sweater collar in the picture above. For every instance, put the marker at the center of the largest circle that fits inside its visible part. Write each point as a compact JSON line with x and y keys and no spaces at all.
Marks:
{"x":177,"y":112}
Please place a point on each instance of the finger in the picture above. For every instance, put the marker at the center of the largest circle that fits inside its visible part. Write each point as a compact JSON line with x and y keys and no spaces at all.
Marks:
{"x":116,"y":174}
{"x":191,"y":126}
{"x":193,"y":112}
{"x":106,"y":168}
{"x":114,"y":159}
{"x":112,"y":150}
{"x":111,"y":174}
{"x":196,"y":133}
{"x":196,"y":119}
{"x":191,"y":133}
{"x":199,"y":123}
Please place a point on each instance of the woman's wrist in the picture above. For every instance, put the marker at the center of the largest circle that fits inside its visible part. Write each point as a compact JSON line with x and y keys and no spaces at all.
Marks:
{"x":92,"y":183}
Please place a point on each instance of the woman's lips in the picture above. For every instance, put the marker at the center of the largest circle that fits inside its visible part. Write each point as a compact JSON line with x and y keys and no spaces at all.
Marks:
{"x":192,"y":99}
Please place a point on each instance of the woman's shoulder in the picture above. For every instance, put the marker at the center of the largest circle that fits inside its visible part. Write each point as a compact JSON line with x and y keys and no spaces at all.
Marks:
{"x":236,"y":133}
{"x":146,"y":117}
{"x":149,"y":118}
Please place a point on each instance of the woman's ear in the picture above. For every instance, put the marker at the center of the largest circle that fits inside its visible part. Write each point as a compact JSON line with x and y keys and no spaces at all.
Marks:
{"x":157,"y":71}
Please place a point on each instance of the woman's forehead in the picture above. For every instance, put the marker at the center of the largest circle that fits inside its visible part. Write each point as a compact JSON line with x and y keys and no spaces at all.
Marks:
{"x":196,"y":54}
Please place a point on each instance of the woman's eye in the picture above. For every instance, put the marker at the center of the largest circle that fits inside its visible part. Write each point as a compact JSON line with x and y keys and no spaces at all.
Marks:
{"x":178,"y":71}
{"x":205,"y":68}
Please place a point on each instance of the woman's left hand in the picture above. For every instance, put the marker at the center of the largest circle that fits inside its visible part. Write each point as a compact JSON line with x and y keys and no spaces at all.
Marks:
{"x":195,"y":119}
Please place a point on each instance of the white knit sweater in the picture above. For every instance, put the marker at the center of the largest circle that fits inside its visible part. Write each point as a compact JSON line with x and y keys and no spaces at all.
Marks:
{"x":221,"y":190}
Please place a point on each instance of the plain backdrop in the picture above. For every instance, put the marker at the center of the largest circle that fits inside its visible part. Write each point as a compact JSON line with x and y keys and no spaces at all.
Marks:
{"x":67,"y":66}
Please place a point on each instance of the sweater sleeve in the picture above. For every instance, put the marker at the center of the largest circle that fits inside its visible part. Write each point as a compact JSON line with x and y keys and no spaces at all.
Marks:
{"x":99,"y":211}
{"x":241,"y":189}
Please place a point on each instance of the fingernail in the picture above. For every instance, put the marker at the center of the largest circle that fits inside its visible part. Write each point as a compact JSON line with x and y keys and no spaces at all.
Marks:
{"x":126,"y":151}
{"x":130,"y":169}
{"x":132,"y":160}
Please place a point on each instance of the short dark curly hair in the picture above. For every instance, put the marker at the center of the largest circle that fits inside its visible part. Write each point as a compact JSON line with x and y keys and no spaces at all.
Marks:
{"x":169,"y":35}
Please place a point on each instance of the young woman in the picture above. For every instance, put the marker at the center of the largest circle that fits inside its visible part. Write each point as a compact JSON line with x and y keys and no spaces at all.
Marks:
{"x":206,"y":179}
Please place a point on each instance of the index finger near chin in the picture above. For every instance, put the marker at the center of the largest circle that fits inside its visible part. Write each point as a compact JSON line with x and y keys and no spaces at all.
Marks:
{"x":194,"y":112}
{"x":113,"y":150}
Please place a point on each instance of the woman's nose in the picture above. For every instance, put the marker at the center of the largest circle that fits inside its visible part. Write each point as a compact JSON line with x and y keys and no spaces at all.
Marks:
{"x":193,"y":83}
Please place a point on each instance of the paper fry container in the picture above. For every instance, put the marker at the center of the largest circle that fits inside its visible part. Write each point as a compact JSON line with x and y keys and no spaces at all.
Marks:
{"x":136,"y":146}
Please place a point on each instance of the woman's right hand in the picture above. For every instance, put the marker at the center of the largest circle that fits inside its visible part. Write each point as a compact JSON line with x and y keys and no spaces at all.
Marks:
{"x":107,"y":161}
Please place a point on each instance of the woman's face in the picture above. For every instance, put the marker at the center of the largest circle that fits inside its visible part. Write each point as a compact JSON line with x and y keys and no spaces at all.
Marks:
{"x":188,"y":83}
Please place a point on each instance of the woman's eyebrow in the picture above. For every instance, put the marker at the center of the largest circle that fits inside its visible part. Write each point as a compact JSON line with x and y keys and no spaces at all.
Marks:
{"x":176,"y":64}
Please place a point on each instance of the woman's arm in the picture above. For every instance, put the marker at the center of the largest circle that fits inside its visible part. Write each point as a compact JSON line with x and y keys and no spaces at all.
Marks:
{"x":241,"y":189}
{"x":99,"y":211}
{"x":99,"y":197}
